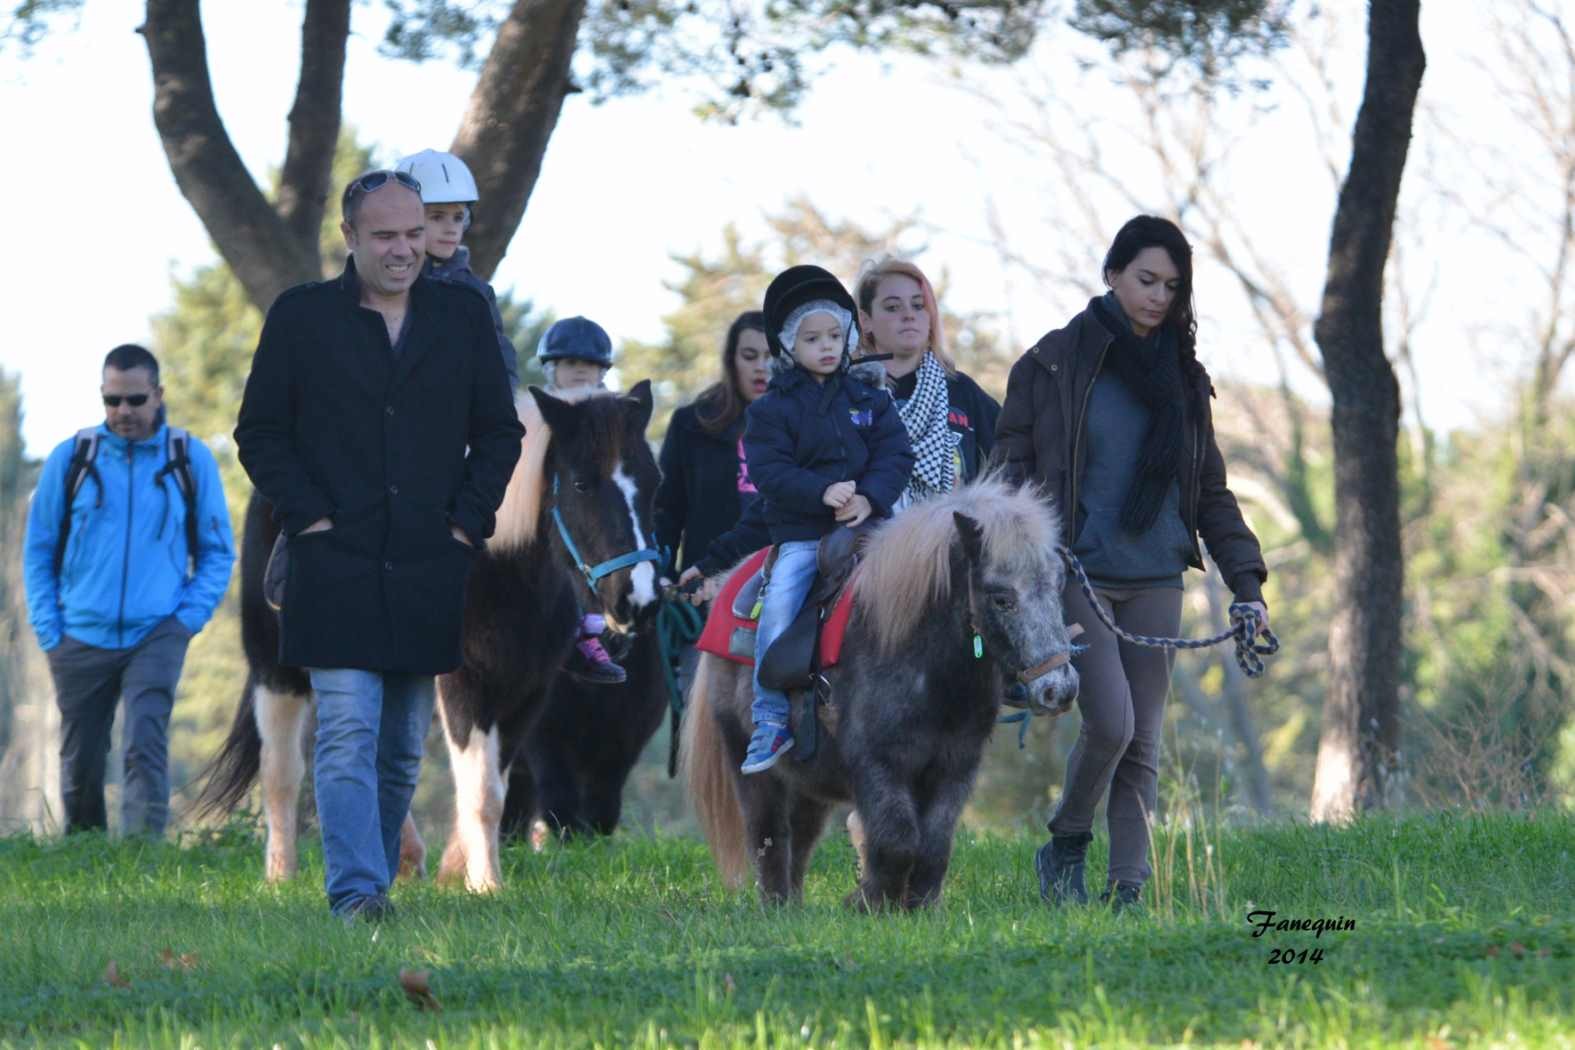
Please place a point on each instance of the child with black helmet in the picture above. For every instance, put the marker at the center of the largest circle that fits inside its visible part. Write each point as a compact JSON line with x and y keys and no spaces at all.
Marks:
{"x":824,"y":449}
{"x":575,"y":354}
{"x":449,"y":194}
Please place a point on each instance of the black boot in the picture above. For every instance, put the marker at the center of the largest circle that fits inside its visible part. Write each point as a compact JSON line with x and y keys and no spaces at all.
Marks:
{"x":1059,"y":863}
{"x":1122,"y":895}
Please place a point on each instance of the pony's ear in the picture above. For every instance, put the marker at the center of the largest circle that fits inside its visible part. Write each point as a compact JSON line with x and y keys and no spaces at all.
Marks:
{"x":639,"y":401}
{"x":972,"y":537}
{"x":559,"y":415}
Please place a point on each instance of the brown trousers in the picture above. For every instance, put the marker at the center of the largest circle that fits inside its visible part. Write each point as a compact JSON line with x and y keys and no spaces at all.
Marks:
{"x":1122,"y":700}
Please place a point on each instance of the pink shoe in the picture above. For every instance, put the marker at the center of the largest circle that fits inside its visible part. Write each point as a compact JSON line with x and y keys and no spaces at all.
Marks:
{"x":590,"y":663}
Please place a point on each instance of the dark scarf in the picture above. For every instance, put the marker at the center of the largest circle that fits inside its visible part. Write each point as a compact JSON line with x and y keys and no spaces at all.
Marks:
{"x":1150,"y":369}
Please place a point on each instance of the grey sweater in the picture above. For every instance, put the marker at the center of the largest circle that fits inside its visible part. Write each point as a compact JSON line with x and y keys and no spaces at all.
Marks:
{"x":1117,"y":423}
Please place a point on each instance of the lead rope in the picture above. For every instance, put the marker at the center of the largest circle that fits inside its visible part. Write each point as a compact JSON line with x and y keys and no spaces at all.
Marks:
{"x":678,"y":626}
{"x":1245,"y":628}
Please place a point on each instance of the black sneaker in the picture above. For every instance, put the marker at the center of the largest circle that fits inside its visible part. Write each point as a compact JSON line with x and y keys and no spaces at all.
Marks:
{"x":374,"y":909}
{"x":591,"y":664}
{"x":1059,"y":863}
{"x":1123,"y":896}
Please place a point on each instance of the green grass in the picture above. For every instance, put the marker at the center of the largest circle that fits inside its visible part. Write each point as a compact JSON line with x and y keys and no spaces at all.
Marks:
{"x":1464,"y":936}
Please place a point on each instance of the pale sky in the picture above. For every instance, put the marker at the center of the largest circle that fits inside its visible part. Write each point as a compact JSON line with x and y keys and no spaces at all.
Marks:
{"x":103,"y":227}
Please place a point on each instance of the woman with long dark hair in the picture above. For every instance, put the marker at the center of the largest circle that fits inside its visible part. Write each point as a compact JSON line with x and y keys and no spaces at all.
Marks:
{"x":705,"y":484}
{"x":1110,"y":416}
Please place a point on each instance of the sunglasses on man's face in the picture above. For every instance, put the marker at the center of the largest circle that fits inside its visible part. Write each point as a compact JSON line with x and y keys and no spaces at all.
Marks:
{"x":134,"y":400}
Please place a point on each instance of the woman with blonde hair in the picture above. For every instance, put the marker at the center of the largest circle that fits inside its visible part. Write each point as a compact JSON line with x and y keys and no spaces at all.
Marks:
{"x":949,"y":419}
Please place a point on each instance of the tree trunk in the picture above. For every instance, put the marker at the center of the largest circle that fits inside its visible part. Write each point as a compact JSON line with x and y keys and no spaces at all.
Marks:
{"x":268,"y":250}
{"x":512,"y":114}
{"x":1361,"y":729}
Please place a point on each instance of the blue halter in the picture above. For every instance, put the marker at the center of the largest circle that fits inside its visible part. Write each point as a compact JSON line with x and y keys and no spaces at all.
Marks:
{"x":593,"y":573}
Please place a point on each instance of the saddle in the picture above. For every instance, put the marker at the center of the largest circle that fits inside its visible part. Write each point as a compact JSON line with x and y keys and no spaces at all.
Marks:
{"x":810,"y":645}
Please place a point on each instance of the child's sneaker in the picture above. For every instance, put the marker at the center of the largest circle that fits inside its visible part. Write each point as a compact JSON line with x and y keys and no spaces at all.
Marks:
{"x":590,"y":663}
{"x":768,"y":744}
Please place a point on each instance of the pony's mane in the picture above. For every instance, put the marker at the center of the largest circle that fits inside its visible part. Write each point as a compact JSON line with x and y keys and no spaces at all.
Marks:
{"x":907,"y":570}
{"x":520,"y":512}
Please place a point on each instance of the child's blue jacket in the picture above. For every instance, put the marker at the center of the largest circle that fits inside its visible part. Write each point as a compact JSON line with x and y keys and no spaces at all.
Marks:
{"x":802,"y":436}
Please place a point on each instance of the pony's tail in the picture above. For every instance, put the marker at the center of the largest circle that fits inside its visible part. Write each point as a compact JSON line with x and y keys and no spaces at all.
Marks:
{"x":228,"y":778}
{"x":708,"y":773}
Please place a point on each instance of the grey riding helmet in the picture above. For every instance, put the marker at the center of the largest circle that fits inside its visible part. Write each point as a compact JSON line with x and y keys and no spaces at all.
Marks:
{"x":578,"y":339}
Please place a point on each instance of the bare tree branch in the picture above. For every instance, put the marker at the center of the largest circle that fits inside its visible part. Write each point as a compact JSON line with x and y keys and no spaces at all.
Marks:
{"x":262,"y":252}
{"x":314,"y":119}
{"x":512,"y":113}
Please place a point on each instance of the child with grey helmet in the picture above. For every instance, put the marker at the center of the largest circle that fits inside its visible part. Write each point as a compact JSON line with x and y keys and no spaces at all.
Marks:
{"x":449,"y":194}
{"x":575,"y":354}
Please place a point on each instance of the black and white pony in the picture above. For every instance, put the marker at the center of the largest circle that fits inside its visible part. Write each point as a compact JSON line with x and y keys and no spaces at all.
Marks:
{"x":576,"y":514}
{"x":954,"y":595}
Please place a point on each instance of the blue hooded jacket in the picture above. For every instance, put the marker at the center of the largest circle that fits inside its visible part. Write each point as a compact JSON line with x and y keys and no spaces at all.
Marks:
{"x":801,"y":436}
{"x":125,"y":568}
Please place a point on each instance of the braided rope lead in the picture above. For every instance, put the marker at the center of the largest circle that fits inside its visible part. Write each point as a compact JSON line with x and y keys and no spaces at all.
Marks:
{"x":1245,"y":628}
{"x":678,"y":625}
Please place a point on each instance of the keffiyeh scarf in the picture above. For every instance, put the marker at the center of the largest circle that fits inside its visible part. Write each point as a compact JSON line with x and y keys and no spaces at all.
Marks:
{"x":925,"y":416}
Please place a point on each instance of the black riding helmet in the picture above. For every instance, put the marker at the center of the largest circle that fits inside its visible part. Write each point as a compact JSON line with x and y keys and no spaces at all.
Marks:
{"x":794,"y":287}
{"x":576,"y":338}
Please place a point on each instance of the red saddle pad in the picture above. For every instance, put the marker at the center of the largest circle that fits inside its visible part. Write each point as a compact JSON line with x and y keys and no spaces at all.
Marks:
{"x":721,"y":623}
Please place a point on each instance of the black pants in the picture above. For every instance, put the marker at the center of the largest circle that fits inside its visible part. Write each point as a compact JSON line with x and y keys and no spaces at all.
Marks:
{"x":88,"y":684}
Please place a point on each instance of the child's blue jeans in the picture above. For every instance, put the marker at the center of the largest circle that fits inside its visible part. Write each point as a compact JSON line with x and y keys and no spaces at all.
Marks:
{"x":791,"y":580}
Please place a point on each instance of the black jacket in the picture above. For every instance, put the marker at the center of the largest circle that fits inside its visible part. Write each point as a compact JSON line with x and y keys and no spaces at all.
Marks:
{"x":335,"y":425}
{"x":1040,"y":439}
{"x":701,"y":495}
{"x":802,"y":436}
{"x":971,"y":413}
{"x":456,"y":270}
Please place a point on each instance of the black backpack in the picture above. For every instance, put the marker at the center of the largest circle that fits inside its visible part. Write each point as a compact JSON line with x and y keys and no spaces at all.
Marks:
{"x":177,"y":461}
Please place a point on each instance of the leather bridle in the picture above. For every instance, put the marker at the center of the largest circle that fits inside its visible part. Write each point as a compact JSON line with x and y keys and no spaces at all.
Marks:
{"x":1034,"y":673}
{"x":1058,"y":660}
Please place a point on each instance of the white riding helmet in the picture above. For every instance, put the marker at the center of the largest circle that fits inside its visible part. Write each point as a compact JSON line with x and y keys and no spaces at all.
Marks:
{"x":444,"y":178}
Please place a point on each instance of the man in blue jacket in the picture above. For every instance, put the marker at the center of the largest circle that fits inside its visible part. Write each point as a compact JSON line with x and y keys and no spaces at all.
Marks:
{"x":128,"y":554}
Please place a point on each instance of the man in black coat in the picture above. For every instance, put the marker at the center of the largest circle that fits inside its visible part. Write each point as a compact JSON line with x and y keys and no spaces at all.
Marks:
{"x":377,"y":423}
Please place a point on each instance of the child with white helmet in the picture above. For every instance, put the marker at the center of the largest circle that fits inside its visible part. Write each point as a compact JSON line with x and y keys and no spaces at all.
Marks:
{"x":449,"y":193}
{"x":575,"y":354}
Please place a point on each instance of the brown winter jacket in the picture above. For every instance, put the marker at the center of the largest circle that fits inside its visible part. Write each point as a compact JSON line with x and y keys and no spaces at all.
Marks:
{"x":1040,"y":438}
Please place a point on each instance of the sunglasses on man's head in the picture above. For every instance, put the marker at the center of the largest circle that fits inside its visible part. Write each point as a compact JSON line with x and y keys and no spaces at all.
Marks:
{"x":373,"y":179}
{"x":134,"y":400}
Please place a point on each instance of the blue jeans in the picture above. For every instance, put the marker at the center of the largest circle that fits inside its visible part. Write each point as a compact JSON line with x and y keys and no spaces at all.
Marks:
{"x":371,"y":728}
{"x":791,"y":580}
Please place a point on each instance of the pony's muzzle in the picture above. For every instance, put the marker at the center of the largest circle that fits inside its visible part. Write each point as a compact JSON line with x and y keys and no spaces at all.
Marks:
{"x":1054,"y":692}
